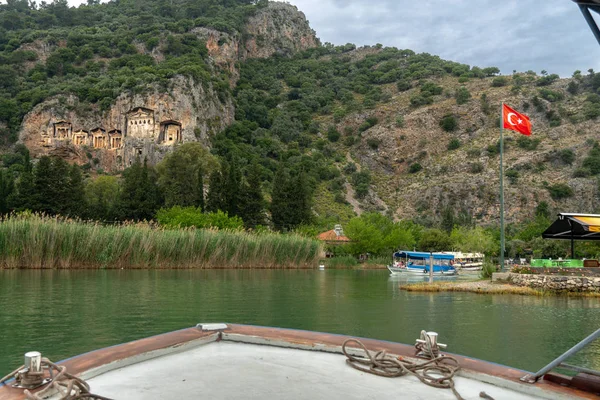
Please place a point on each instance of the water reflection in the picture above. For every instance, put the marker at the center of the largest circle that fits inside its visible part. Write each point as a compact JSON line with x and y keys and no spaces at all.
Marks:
{"x":63,"y":313}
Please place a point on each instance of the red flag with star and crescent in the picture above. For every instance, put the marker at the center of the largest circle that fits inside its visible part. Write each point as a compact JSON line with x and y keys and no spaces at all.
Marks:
{"x":515,"y":121}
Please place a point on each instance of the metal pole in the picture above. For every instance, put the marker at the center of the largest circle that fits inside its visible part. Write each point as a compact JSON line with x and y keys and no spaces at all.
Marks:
{"x":590,"y":20}
{"x":563,"y":357}
{"x":572,"y":244}
{"x":501,"y":187}
{"x":430,"y":267}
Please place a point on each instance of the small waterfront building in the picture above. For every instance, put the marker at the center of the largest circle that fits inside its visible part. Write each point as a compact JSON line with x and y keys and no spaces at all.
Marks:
{"x":332,"y":238}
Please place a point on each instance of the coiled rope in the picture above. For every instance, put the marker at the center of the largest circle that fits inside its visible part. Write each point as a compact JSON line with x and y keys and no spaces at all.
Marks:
{"x":68,"y":386}
{"x":437,"y":372}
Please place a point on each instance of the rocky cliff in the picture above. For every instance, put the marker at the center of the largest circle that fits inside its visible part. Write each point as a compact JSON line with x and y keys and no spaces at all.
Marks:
{"x":278,"y":29}
{"x":463,"y":180}
{"x":196,"y":109}
{"x":186,"y":111}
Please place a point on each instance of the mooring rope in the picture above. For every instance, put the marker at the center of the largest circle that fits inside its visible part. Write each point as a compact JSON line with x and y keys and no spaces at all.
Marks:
{"x":437,"y":372}
{"x":68,"y":386}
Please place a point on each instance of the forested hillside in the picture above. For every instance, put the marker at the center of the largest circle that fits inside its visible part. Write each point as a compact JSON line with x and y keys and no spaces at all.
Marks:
{"x":277,"y":130}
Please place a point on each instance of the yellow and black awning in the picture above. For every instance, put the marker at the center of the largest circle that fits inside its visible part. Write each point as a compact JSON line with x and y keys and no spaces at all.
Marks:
{"x":574,"y":227}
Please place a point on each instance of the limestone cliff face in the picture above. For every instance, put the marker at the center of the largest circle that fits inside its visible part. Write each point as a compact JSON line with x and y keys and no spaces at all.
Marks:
{"x":149,"y":125}
{"x":278,"y":29}
{"x":186,"y":112}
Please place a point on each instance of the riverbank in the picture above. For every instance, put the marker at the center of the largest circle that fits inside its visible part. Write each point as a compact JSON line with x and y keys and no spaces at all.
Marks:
{"x":350,"y":262}
{"x":488,"y":287}
{"x":37,"y":242}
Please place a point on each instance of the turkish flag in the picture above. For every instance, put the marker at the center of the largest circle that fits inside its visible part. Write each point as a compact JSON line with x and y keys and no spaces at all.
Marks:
{"x":515,"y":121}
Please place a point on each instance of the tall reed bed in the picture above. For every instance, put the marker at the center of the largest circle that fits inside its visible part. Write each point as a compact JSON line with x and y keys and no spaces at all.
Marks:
{"x":30,"y":241}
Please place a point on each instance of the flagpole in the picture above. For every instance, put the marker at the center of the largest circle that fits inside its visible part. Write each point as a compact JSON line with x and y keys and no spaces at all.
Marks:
{"x":501,"y":187}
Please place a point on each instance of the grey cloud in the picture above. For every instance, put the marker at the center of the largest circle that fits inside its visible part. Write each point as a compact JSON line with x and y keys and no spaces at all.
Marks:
{"x":513,"y":34}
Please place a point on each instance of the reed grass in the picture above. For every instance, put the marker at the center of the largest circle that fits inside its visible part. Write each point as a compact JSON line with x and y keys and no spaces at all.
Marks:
{"x":486,"y":287}
{"x":341,"y":262}
{"x":34,"y":241}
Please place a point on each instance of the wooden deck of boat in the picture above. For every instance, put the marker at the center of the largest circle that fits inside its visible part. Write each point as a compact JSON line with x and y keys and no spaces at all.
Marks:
{"x":227,"y":362}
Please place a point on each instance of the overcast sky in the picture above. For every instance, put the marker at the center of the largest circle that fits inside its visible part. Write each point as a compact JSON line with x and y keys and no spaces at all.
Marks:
{"x":509,"y":34}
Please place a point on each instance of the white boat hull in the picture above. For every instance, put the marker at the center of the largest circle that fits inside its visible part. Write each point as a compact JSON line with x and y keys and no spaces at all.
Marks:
{"x":470,"y":268}
{"x":417,"y":271}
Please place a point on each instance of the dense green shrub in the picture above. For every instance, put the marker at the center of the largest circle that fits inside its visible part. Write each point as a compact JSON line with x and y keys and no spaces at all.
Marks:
{"x":403,"y":85}
{"x":547,"y":80}
{"x":560,"y":191}
{"x":417,"y":100}
{"x":350,"y":168}
{"x":553,"y":118}
{"x":526,"y":143}
{"x":567,"y":156}
{"x":361,"y":182}
{"x":462,"y":95}
{"x":332,"y":134}
{"x":499,"y":81}
{"x":453,"y":144}
{"x":369,"y":123}
{"x":414,"y":168}
{"x":431,"y":89}
{"x":592,"y":161}
{"x":449,"y":123}
{"x":512,"y":175}
{"x":373,"y":143}
{"x":475,"y":167}
{"x":551,"y":95}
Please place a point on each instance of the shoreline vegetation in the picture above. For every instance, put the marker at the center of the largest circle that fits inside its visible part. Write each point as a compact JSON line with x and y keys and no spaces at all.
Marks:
{"x":30,"y":241}
{"x":488,"y":287}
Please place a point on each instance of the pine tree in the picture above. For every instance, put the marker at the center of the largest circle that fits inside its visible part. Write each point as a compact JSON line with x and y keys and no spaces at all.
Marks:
{"x":77,"y":204}
{"x":214,"y":198}
{"x":252,"y":208}
{"x":24,"y":196}
{"x":200,"y":189}
{"x":179,"y":173}
{"x":291,"y":203}
{"x":301,"y":197}
{"x":59,"y":194}
{"x":232,"y":193}
{"x":43,"y":190}
{"x":7,"y":186}
{"x":140,"y":196}
{"x":178,"y":181}
{"x":280,"y":209}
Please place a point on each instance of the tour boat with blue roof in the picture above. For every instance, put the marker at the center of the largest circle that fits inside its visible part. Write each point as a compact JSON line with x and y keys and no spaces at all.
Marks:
{"x":418,"y":262}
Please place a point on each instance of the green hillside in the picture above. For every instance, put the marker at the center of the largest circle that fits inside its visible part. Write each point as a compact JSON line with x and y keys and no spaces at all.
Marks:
{"x":320,"y":135}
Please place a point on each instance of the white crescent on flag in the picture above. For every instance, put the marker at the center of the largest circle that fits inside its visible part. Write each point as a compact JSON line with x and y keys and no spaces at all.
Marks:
{"x":509,"y":118}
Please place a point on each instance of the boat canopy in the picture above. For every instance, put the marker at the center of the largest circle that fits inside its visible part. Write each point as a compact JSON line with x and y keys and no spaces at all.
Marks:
{"x":421,"y":255}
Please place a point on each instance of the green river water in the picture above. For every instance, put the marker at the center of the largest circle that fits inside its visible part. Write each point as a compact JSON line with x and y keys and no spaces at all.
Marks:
{"x":65,"y":313}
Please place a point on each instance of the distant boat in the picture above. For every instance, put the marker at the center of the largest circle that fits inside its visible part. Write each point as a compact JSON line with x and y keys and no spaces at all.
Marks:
{"x":468,"y":261}
{"x":416,"y":262}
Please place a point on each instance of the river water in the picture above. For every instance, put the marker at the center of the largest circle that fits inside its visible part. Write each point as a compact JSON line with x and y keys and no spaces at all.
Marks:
{"x":65,"y":313}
